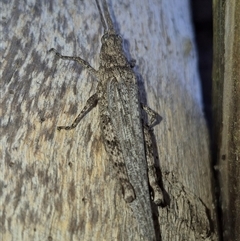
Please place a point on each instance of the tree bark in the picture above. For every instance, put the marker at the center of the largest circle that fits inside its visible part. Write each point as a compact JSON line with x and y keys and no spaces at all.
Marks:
{"x":226,"y":100}
{"x":61,"y":185}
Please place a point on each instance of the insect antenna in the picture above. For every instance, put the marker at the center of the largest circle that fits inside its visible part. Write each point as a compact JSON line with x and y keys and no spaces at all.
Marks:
{"x":101,"y":16}
{"x":108,"y":24}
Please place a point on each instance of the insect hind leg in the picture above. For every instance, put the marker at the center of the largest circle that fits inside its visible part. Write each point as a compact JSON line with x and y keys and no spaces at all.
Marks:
{"x":152,"y":176}
{"x":112,"y":147}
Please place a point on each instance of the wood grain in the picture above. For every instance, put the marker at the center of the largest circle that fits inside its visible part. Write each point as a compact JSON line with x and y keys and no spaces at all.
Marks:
{"x":60,"y":185}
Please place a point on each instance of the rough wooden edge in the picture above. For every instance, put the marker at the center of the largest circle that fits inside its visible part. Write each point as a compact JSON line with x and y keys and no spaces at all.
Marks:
{"x":226,"y":102}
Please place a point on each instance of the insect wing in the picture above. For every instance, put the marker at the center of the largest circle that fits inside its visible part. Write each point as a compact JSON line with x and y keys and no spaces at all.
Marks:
{"x":124,"y":109}
{"x":125,"y":117}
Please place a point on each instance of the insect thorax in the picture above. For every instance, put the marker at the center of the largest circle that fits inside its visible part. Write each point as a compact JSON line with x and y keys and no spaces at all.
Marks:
{"x":112,"y":54}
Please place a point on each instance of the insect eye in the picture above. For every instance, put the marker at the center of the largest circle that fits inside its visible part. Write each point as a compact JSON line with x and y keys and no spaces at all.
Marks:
{"x":104,"y":38}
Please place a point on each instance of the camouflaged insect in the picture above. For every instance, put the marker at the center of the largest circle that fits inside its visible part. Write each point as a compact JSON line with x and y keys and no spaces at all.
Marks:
{"x":127,"y":138}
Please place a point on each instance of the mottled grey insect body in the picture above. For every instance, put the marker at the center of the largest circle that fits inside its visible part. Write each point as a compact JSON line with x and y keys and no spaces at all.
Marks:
{"x":127,"y":139}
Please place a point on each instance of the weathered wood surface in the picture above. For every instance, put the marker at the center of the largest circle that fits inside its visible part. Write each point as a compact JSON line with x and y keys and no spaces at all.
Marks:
{"x":226,"y":100}
{"x":60,"y":185}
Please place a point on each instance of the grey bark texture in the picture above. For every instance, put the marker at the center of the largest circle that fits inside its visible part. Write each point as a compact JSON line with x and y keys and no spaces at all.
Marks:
{"x":61,"y":185}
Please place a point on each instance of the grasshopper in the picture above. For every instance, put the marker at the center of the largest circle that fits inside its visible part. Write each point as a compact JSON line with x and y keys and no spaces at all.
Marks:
{"x":127,"y":138}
